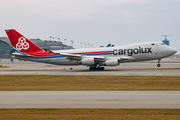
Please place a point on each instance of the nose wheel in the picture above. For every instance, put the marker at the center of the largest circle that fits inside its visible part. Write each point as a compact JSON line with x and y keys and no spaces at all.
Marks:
{"x":159,"y":65}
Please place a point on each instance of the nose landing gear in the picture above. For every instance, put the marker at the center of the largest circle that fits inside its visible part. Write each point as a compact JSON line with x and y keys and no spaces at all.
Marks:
{"x":159,"y":65}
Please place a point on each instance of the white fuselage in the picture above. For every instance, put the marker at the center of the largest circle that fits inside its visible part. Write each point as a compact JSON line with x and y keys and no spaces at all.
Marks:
{"x":128,"y":53}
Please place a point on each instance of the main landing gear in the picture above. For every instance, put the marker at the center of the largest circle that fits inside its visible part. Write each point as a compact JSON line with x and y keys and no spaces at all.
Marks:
{"x":159,"y":65}
{"x":96,"y":68}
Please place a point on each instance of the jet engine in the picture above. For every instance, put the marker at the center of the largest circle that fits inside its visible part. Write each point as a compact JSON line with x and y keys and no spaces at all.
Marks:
{"x":87,"y":61}
{"x":113,"y":62}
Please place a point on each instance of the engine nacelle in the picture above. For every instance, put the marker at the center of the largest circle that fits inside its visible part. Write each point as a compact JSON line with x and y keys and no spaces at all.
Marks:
{"x":87,"y":61}
{"x":113,"y":62}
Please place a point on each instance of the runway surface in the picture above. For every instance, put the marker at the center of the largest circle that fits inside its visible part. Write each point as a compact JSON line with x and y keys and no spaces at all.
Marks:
{"x":125,"y":69}
{"x":90,"y":99}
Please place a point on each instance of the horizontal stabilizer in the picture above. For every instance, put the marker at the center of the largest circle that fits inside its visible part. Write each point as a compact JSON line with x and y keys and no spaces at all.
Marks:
{"x":21,"y":55}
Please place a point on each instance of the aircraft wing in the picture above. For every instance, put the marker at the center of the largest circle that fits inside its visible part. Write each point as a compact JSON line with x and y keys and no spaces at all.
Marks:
{"x":71,"y":56}
{"x":96,"y":58}
{"x":79,"y":57}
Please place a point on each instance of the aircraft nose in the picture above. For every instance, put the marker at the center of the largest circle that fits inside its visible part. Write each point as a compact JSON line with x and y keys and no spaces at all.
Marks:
{"x":172,"y":50}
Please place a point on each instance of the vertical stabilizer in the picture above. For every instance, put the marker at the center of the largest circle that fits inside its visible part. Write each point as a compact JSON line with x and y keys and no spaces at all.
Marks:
{"x":21,"y":43}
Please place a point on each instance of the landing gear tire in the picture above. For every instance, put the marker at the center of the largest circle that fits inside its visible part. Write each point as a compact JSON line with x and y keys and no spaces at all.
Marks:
{"x":102,"y":68}
{"x":90,"y":68}
{"x":96,"y":68}
{"x":158,"y":65}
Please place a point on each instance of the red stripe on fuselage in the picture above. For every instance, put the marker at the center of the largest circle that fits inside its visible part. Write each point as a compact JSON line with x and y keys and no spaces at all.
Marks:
{"x":45,"y":54}
{"x":91,"y":52}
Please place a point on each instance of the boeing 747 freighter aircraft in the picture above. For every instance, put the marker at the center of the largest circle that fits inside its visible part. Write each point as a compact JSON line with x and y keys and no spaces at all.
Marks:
{"x":95,"y":58}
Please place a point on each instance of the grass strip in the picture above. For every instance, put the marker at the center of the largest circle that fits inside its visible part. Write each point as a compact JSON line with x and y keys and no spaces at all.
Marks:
{"x":54,"y":82}
{"x":90,"y":114}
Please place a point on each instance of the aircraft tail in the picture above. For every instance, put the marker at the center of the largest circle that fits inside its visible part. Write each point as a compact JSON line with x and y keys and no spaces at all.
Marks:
{"x":109,"y":45}
{"x":21,"y":43}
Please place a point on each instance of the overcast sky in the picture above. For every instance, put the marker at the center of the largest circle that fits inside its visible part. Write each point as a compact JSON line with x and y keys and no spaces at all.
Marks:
{"x":97,"y":22}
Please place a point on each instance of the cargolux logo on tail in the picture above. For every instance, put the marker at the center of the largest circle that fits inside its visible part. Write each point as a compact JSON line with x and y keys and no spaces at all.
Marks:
{"x":22,"y":44}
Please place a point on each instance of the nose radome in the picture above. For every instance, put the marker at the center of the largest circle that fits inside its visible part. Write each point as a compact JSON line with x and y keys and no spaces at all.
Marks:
{"x":172,"y":50}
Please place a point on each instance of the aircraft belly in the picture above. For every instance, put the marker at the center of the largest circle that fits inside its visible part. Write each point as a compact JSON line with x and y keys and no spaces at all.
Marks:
{"x":61,"y":62}
{"x":51,"y":61}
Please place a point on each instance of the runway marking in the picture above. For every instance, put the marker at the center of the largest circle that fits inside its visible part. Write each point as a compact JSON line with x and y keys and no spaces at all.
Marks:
{"x":119,"y":74}
{"x":79,"y":73}
{"x":3,"y":73}
{"x":159,"y":74}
